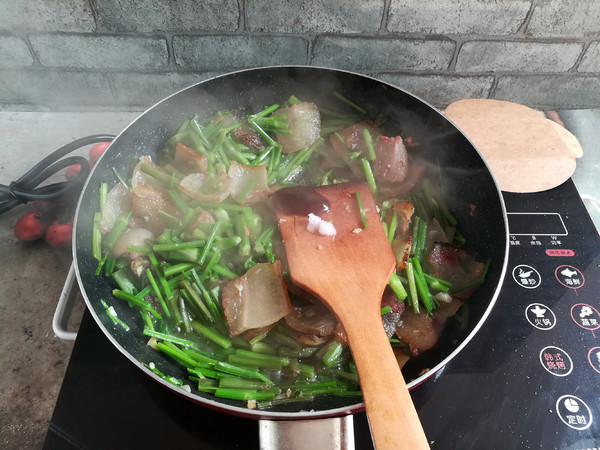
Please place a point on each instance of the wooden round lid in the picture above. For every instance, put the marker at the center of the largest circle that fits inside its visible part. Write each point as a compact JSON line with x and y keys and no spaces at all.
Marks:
{"x":525,"y":151}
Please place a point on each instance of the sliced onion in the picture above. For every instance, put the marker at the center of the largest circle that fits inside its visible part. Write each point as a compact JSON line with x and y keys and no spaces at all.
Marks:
{"x":118,"y":201}
{"x":136,"y":237}
{"x":443,"y":297}
{"x":139,"y":263}
{"x":256,"y":299}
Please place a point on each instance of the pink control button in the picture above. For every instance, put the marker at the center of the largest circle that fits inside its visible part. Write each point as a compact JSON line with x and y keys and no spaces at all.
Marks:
{"x":559,"y":252}
{"x":594,"y":358}
{"x":586,"y":316}
{"x":569,"y":276}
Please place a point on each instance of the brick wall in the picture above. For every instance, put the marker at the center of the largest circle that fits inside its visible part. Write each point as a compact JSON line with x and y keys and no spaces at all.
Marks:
{"x":128,"y":54}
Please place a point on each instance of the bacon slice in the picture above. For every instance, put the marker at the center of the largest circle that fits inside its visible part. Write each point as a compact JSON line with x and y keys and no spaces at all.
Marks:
{"x":146,"y":201}
{"x":139,"y":176}
{"x":456,"y":266}
{"x":421,"y":331}
{"x":353,"y":138}
{"x":414,"y":175}
{"x":402,"y":240}
{"x":200,"y":187}
{"x":391,"y":319}
{"x":256,"y":299}
{"x":187,"y":160}
{"x":249,"y":138}
{"x":312,"y":318}
{"x":241,"y":176}
{"x":304,"y":121}
{"x":391,"y":162}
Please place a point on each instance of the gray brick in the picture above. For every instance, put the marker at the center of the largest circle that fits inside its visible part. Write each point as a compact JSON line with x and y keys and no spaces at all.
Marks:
{"x":357,"y":53}
{"x":54,"y":88}
{"x":100,"y":52}
{"x":147,"y":89}
{"x":565,"y":19}
{"x":492,"y":56}
{"x":156,"y":15}
{"x":14,"y":52}
{"x":228,"y":52}
{"x":550,"y":91}
{"x":36,"y":15}
{"x":441,"y":90}
{"x":490,"y":17}
{"x":591,"y":59}
{"x":307,"y":16}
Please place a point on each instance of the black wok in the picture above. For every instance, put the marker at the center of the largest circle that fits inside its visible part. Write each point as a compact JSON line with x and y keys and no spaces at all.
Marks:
{"x":466,"y":178}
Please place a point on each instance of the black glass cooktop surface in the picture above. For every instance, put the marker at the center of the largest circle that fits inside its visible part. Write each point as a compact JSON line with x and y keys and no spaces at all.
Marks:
{"x":529,"y":379}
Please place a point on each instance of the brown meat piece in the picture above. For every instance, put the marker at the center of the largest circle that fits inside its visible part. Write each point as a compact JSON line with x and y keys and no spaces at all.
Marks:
{"x":391,"y":162}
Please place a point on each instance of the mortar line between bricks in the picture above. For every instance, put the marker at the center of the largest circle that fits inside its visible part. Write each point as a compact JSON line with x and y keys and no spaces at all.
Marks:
{"x":575,"y":68}
{"x":113,"y":89}
{"x":457,"y":47}
{"x":170,"y":51}
{"x":371,"y":36}
{"x":207,"y":69}
{"x":32,"y":52}
{"x":492,"y":91}
{"x":95,"y":14}
{"x":242,"y":22}
{"x":385,"y":17}
{"x":522,"y":29}
{"x":310,"y":49}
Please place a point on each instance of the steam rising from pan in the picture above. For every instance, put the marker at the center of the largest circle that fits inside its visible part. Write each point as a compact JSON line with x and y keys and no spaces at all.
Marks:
{"x":464,"y":175}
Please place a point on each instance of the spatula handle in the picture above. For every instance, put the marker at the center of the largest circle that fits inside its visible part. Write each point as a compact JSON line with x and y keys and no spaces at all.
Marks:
{"x":392,"y":416}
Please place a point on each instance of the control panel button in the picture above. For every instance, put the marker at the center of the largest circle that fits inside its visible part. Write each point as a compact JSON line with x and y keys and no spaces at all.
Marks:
{"x":540,"y":316}
{"x":574,"y":412}
{"x":594,"y":358}
{"x":526,"y":276}
{"x":556,"y":361}
{"x":569,"y":276}
{"x":562,"y":252}
{"x":586,"y":316}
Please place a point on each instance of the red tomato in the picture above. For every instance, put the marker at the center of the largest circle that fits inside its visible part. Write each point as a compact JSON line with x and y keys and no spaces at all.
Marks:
{"x":43,"y":206}
{"x":59,"y":235}
{"x":97,"y":150}
{"x":29,"y":227}
{"x":73,"y":171}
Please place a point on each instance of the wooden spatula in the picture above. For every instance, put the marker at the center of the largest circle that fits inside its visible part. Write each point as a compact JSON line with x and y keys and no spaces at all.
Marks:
{"x":348,"y":271}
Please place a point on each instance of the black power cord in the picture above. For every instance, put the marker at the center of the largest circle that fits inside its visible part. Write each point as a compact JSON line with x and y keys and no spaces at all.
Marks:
{"x":25,"y":188}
